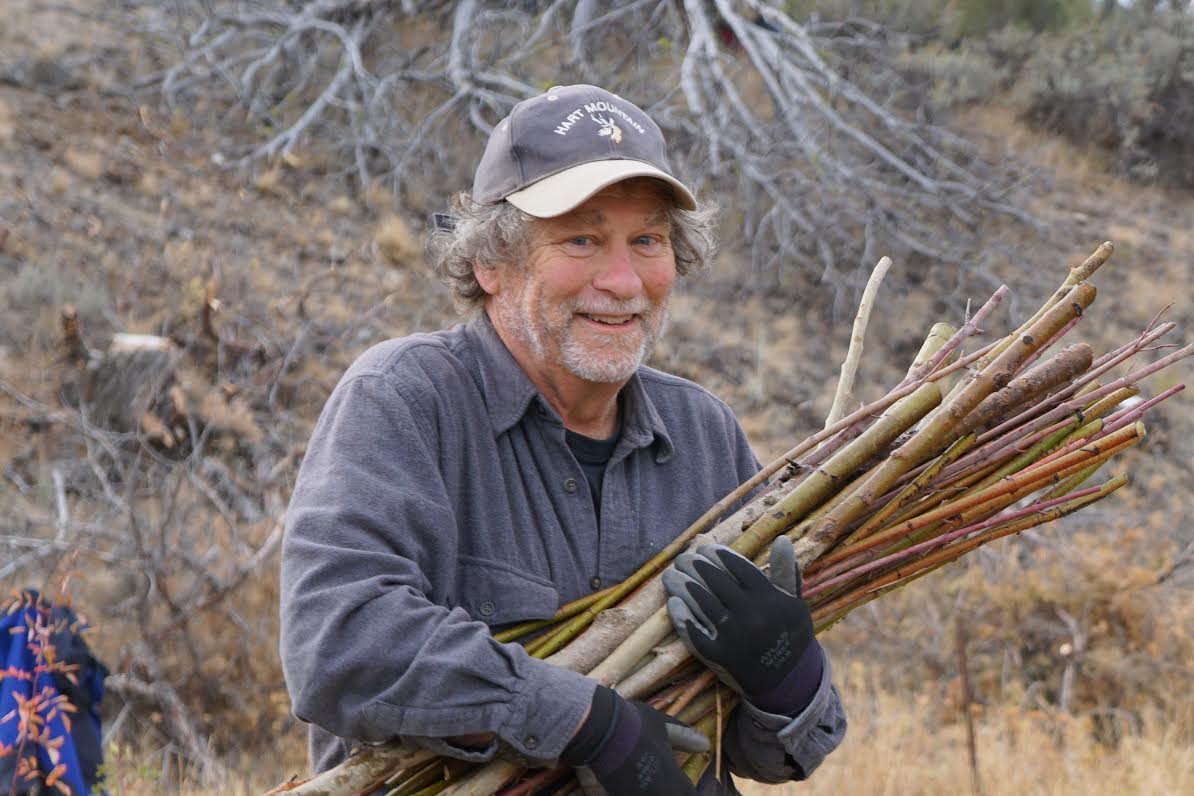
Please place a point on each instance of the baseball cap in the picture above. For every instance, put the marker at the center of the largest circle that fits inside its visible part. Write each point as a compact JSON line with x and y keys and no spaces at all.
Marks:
{"x":556,"y":150}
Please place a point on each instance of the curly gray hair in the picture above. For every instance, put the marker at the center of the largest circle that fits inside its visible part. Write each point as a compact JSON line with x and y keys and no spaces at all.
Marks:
{"x":493,"y":236}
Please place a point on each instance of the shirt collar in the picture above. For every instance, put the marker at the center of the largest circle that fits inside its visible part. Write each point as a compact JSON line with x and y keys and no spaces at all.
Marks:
{"x":509,"y":392}
{"x":507,"y":389}
{"x":642,"y":424}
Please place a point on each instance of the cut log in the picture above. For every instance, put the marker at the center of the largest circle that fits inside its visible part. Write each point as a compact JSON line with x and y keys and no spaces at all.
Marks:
{"x":121,"y":383}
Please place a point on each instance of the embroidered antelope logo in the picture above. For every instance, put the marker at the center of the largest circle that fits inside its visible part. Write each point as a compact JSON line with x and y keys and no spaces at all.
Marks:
{"x":608,"y":128}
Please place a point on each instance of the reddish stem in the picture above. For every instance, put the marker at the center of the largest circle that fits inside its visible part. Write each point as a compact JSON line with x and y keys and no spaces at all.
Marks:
{"x":819,"y":586}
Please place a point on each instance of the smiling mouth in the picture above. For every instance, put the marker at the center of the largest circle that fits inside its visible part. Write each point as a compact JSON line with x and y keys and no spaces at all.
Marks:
{"x":608,"y":320}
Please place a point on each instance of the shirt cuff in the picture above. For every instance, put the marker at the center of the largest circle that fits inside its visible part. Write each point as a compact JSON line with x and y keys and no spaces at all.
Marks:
{"x":548,"y":708}
{"x":445,"y":748}
{"x":813,"y":732}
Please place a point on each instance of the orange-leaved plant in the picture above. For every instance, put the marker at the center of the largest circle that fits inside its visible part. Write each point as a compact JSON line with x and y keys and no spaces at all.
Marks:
{"x":29,"y":697}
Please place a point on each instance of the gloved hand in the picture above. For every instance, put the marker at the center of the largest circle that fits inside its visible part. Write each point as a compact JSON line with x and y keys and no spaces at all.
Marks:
{"x":755,"y":633}
{"x":624,"y":748}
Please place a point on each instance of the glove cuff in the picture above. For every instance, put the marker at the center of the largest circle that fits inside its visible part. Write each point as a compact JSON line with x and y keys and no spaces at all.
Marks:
{"x":607,"y":737}
{"x":591,"y":736}
{"x":623,"y":736}
{"x":794,"y":693}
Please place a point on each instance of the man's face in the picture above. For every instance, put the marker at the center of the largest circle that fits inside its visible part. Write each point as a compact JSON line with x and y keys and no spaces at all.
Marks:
{"x":591,"y":298}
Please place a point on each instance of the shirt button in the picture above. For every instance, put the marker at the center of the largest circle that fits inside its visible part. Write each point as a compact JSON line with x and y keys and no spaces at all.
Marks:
{"x":595,"y":582}
{"x":570,"y":485}
{"x":487,"y":608}
{"x":531,"y":742}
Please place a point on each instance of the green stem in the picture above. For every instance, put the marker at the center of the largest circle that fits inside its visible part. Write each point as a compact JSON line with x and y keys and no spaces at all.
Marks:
{"x":566,"y":612}
{"x":937,"y":435}
{"x":912,"y":489}
{"x":1042,"y":447}
{"x":825,"y":615}
{"x":1073,"y":482}
{"x":806,"y":496}
{"x":823,"y":482}
{"x":409,"y":781}
{"x":1058,"y":469}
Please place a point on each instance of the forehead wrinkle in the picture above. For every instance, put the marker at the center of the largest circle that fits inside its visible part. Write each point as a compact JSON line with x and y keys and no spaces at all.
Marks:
{"x":594,"y":217}
{"x":590,"y":216}
{"x":659,"y":218}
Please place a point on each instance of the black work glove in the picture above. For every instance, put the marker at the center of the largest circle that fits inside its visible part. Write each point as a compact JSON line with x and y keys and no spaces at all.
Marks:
{"x":755,"y":634}
{"x":625,"y":748}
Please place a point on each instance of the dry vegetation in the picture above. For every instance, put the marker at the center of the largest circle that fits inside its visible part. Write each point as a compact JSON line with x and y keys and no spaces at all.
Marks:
{"x":1080,"y":637}
{"x":899,"y":746}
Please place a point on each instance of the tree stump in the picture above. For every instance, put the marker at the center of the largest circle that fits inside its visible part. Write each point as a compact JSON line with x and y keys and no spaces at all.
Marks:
{"x":121,"y":384}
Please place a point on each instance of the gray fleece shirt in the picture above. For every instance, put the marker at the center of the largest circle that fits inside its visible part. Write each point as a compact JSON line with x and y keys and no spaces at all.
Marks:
{"x":437,"y":501}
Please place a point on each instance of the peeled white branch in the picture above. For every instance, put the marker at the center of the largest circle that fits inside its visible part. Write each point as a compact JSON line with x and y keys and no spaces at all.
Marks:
{"x":845,"y":383}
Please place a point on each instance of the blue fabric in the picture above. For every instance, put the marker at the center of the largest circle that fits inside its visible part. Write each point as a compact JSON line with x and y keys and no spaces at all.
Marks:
{"x":81,"y":749}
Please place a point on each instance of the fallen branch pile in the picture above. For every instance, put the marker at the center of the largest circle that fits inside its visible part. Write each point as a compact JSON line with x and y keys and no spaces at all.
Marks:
{"x":964,"y":451}
{"x":770,"y":108}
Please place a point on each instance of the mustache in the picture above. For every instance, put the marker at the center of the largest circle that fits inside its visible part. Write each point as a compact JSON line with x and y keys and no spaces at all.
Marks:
{"x":611,"y":307}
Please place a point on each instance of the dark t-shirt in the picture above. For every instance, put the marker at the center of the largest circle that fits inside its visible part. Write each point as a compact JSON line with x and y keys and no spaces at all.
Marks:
{"x":592,"y":455}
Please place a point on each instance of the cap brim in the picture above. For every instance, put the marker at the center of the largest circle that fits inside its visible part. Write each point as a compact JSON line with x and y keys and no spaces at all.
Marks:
{"x":565,"y":190}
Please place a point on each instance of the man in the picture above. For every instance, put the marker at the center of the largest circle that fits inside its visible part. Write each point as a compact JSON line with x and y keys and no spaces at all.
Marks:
{"x":485,"y":475}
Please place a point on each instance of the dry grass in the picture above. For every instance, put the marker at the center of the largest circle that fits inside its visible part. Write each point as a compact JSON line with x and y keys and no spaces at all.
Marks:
{"x":143,"y":771}
{"x":999,"y":123}
{"x":396,"y":242}
{"x":892,"y":749}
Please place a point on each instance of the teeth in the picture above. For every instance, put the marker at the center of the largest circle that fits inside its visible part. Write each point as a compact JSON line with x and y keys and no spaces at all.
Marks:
{"x":609,"y":319}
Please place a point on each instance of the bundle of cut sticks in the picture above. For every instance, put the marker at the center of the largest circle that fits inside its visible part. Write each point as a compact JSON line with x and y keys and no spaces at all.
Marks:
{"x":963,"y":451}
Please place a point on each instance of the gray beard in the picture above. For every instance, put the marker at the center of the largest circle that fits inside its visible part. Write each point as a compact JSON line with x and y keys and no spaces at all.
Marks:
{"x":602,"y":366}
{"x":606,"y":368}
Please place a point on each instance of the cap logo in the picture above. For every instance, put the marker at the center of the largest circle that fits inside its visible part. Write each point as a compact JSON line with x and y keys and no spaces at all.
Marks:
{"x":608,"y":126}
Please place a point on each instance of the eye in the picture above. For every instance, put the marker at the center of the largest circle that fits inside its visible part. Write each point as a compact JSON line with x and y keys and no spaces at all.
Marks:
{"x":580,"y":244}
{"x":651,"y":244}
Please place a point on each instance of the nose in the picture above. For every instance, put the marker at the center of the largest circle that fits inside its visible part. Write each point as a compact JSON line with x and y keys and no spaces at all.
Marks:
{"x":618,"y":275}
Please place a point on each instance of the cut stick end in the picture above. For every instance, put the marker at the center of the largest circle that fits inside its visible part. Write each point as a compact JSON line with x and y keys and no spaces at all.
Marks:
{"x":1084,"y":294}
{"x":1093,"y":262}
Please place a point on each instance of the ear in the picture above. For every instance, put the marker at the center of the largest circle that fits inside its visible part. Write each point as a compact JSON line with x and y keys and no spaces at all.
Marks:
{"x":490,"y":279}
